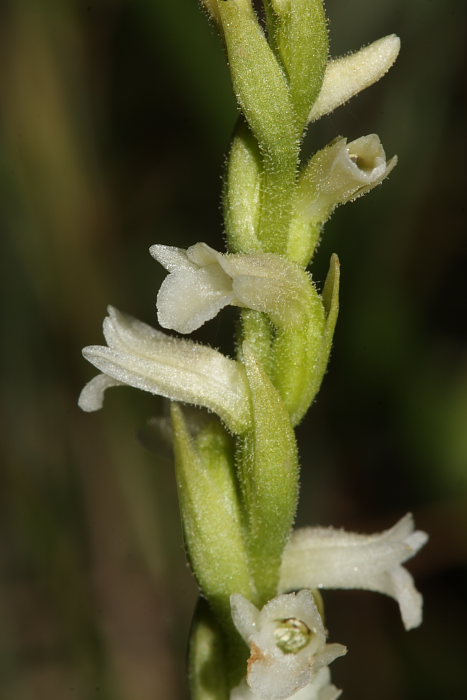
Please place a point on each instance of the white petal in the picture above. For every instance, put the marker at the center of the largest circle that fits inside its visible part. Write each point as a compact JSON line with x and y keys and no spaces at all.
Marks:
{"x":129,"y":334}
{"x":245,"y":616}
{"x":179,"y":369}
{"x":399,"y":584}
{"x":189,"y":298}
{"x":171,"y":258}
{"x":319,"y":689}
{"x":346,"y":76}
{"x":242,"y":692}
{"x":271,"y":679}
{"x":91,"y":397}
{"x":202,"y":254}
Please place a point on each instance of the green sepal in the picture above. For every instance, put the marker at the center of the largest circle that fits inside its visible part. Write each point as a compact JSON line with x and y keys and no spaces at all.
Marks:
{"x":210,"y":511}
{"x":301,"y":37}
{"x":242,"y":192}
{"x":302,"y":355}
{"x":297,"y":352}
{"x":330,"y":298}
{"x":268,"y":473}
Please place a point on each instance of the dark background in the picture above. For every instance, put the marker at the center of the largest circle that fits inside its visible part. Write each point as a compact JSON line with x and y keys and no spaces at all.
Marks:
{"x":115,"y":118}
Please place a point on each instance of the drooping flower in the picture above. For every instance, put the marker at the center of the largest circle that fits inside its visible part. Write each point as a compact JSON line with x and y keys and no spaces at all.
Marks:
{"x":202,"y":281}
{"x":348,"y":75}
{"x":320,"y":688}
{"x":182,"y":370}
{"x":287,"y":643}
{"x":330,"y":558}
{"x":341,"y":172}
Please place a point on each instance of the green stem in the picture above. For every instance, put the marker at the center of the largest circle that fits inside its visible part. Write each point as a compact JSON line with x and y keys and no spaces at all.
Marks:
{"x":278,"y":181}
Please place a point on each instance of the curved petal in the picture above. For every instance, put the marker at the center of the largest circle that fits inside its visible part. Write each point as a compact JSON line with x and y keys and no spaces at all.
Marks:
{"x":91,"y":397}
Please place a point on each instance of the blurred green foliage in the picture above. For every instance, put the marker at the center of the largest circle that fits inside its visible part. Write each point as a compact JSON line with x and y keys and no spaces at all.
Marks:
{"x":115,"y":116}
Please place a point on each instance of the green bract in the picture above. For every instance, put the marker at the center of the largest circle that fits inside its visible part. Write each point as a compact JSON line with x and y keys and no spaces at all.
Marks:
{"x":211,"y":514}
{"x":268,"y":473}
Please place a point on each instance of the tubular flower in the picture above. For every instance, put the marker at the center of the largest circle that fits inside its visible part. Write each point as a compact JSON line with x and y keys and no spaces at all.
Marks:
{"x":287,"y":643}
{"x":181,"y":370}
{"x":329,"y":558}
{"x":341,"y":172}
{"x":202,"y":281}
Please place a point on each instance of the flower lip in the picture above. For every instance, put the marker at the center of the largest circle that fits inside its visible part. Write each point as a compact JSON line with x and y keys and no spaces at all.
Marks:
{"x":367,"y":158}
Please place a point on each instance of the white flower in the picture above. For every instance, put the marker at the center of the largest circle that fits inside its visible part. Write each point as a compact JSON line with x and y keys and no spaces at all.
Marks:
{"x":341,"y":172}
{"x":329,"y":558}
{"x":320,"y":688}
{"x":181,"y":370}
{"x":348,"y":75}
{"x":287,"y":643}
{"x":202,"y":281}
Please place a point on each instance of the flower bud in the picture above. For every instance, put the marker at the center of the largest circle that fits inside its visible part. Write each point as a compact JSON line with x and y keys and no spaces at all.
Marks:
{"x":348,"y":75}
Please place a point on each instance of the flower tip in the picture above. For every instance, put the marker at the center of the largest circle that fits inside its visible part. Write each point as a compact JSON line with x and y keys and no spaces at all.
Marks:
{"x":91,"y":397}
{"x":392,"y":45}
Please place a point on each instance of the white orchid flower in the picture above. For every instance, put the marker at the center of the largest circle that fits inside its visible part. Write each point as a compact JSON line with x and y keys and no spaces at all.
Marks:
{"x":348,"y":75}
{"x":287,"y":643}
{"x":320,"y":688}
{"x":329,"y":558}
{"x":202,"y":281}
{"x":341,"y":172}
{"x":181,"y":370}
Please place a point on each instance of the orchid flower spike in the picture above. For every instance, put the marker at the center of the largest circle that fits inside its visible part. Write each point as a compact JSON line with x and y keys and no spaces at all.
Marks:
{"x":329,"y":558}
{"x":320,"y":688}
{"x":341,"y":172}
{"x":181,"y":370}
{"x":202,"y":281}
{"x":287,"y":642}
{"x":348,"y":75}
